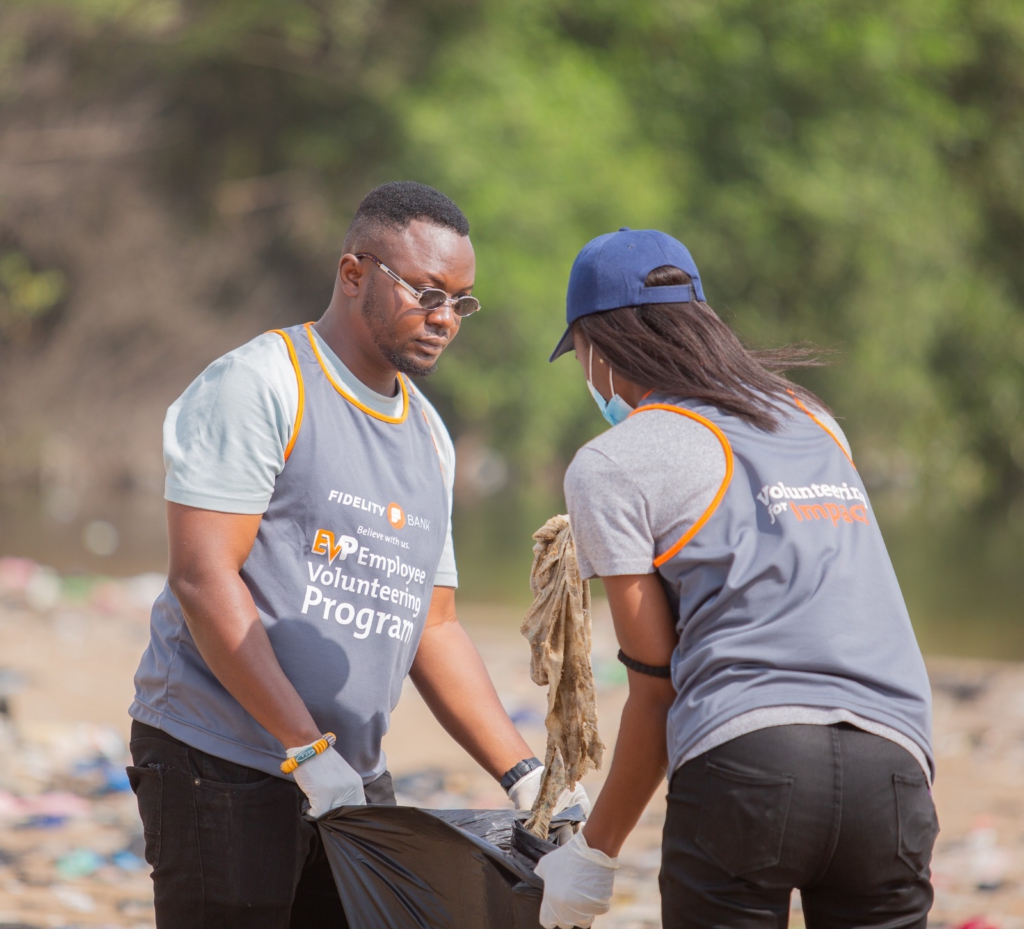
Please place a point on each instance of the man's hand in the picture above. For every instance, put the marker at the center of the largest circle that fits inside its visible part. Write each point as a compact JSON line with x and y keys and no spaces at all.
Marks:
{"x":578,"y":883}
{"x":523,"y":793}
{"x":328,"y":781}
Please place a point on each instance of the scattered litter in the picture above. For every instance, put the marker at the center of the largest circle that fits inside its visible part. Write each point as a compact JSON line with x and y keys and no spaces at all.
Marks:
{"x":42,"y":822}
{"x":431,"y":788}
{"x":80,"y":851}
{"x":420,"y":786}
{"x":961,"y":689}
{"x":127,"y":860}
{"x":988,"y":861}
{"x":42,"y":593}
{"x":86,"y":758}
{"x":10,"y":805}
{"x":74,"y":899}
{"x":41,"y":588}
{"x":79,"y":863}
{"x":57,"y":804}
{"x":15,"y":575}
{"x":106,"y":776}
{"x":135,"y":908}
{"x":134,"y":594}
{"x":43,"y":811}
{"x":143,"y":589}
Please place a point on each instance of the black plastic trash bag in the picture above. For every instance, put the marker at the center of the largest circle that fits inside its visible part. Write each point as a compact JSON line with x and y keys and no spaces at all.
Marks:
{"x":402,"y":867}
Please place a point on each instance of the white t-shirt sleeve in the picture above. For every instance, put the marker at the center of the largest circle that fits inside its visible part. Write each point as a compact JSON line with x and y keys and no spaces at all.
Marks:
{"x":225,"y":436}
{"x":609,"y":515}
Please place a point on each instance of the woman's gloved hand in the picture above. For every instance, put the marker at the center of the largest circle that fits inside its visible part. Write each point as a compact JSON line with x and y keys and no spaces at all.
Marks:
{"x":327,"y":780}
{"x":524,"y":792}
{"x":578,"y":884}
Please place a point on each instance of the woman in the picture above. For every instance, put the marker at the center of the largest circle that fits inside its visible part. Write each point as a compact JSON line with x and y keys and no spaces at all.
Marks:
{"x":773,"y":671}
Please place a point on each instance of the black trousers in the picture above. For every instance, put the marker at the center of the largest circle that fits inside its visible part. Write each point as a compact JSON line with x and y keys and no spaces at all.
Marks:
{"x":843,"y":815}
{"x":227,"y":843}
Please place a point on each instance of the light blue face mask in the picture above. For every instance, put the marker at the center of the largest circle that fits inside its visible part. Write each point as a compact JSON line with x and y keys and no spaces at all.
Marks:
{"x":614,"y":410}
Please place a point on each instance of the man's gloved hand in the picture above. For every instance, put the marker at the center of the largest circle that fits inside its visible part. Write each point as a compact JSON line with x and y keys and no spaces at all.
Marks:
{"x":524,"y":792}
{"x":328,"y":780}
{"x":578,"y":883}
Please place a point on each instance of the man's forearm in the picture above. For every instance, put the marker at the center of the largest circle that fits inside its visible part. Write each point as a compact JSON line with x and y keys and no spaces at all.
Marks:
{"x":453,"y":680}
{"x":234,"y":644}
{"x":638,"y":766}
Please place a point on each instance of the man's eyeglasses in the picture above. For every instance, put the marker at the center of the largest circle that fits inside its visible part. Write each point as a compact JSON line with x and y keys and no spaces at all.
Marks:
{"x":432,"y":297}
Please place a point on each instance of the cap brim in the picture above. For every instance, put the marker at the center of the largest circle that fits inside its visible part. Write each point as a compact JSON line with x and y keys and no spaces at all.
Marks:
{"x":565,"y":344}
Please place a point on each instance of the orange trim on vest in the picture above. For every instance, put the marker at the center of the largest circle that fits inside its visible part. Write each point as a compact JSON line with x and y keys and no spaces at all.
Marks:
{"x":707,"y":514}
{"x":835,"y":439}
{"x":432,"y":439}
{"x":302,"y":391}
{"x":341,"y":390}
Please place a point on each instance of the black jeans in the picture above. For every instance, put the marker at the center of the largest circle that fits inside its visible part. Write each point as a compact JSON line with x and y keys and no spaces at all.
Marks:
{"x":227,"y":843}
{"x":843,"y":815}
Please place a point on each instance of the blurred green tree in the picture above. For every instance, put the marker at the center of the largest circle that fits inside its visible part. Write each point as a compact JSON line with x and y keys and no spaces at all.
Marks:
{"x":848,"y":173}
{"x":25,"y":295}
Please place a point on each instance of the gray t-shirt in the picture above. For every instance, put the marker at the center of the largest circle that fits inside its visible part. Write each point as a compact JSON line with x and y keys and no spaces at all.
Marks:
{"x":633,"y":491}
{"x":225,"y":436}
{"x":650,"y":478}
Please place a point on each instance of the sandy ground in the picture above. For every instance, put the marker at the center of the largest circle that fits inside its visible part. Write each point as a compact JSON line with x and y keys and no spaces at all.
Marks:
{"x":70,"y":838}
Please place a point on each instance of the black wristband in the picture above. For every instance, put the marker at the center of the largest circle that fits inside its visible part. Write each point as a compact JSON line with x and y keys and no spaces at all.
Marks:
{"x":518,"y":771}
{"x":647,"y":669}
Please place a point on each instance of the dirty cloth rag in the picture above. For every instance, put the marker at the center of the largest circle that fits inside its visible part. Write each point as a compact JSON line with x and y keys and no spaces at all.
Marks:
{"x":558,"y":630}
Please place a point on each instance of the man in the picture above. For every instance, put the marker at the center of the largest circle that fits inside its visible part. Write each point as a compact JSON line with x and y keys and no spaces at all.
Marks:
{"x":311,"y":568}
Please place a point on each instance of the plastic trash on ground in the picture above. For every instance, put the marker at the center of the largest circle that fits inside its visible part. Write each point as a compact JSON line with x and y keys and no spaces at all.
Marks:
{"x":408,"y":868}
{"x":80,"y":862}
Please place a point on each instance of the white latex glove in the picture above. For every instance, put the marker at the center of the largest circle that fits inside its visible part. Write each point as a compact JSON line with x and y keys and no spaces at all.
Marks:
{"x":524,"y":792}
{"x":578,"y":884}
{"x":327,"y":780}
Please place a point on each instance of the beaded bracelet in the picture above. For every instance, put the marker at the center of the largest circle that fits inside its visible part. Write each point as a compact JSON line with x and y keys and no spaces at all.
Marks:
{"x":310,"y":751}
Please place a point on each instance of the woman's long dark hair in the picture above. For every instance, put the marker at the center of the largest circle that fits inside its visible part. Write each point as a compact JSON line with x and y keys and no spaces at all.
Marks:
{"x":685,"y":349}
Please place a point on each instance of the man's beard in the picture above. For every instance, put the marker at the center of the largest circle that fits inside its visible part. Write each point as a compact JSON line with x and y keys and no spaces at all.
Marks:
{"x":380,"y":332}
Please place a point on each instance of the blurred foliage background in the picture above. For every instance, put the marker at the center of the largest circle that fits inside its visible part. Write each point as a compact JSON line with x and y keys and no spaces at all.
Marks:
{"x":850,"y":173}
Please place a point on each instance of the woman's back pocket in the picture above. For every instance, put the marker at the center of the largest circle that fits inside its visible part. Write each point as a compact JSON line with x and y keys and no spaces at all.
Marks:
{"x":743,"y":818}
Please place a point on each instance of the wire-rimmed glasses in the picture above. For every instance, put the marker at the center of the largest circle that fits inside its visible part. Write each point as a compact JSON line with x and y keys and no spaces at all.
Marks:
{"x":431,"y":298}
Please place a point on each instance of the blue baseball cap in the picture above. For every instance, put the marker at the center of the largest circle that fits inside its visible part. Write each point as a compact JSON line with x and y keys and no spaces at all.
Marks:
{"x":611,"y":270}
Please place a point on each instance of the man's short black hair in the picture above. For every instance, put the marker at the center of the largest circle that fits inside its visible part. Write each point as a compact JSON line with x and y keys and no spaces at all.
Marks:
{"x":393,"y":206}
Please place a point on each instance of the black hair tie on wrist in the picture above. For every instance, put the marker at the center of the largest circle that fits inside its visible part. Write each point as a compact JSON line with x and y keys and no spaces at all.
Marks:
{"x":647,"y":669}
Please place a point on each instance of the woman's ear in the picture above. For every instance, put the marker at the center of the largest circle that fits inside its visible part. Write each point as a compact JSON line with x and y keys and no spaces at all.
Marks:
{"x":582,"y":349}
{"x":580,"y":343}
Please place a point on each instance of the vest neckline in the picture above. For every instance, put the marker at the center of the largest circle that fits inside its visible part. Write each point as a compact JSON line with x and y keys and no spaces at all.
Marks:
{"x":351,"y":399}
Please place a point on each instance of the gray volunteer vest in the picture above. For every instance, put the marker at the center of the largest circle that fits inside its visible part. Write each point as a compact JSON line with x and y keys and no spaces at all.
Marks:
{"x":784,"y":591}
{"x":342,"y":572}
